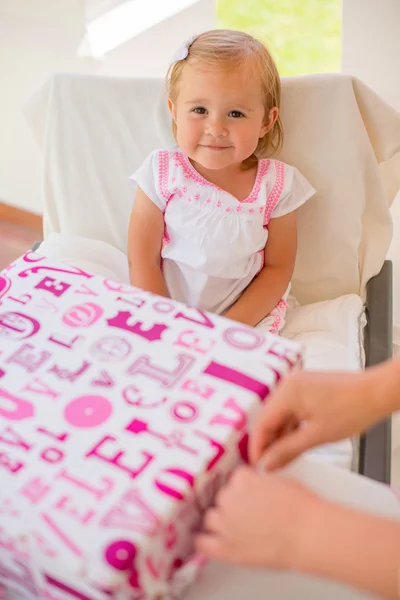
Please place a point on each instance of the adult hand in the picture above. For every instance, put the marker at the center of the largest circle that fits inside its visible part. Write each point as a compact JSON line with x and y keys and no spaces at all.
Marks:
{"x":309,"y":409}
{"x":268,"y":521}
{"x":259,"y":520}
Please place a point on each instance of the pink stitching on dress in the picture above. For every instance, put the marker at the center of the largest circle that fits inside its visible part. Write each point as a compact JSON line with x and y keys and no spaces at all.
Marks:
{"x":275,"y":193}
{"x":166,"y":239}
{"x":262,"y":253}
{"x":163,"y":172}
{"x":263,"y":167}
{"x":280,"y":309}
{"x":182,"y":161}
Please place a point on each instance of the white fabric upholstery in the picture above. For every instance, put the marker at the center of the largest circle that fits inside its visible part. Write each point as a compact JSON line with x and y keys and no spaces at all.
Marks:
{"x":331,"y":333}
{"x":95,"y":131}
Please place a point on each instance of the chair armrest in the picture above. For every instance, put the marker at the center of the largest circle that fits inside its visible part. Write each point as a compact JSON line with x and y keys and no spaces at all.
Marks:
{"x":376,"y":444}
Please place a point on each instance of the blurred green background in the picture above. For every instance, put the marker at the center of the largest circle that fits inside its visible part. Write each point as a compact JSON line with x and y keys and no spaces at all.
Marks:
{"x":304,"y":36}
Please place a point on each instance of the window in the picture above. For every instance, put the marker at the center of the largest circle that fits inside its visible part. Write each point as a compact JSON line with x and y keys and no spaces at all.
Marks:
{"x":304,"y":36}
{"x":114,"y":22}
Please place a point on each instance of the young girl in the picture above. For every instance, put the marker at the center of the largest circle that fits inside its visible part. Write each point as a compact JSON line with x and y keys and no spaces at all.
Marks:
{"x":213,"y":223}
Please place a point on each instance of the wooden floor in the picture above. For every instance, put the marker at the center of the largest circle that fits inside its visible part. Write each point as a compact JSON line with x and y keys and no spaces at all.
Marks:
{"x":14,"y":241}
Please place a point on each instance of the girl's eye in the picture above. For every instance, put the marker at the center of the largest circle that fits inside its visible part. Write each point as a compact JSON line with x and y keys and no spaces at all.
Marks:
{"x":199,"y":110}
{"x":236,"y":114}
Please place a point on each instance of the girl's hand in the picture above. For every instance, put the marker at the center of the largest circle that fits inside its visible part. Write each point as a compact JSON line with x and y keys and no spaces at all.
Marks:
{"x":310,"y":409}
{"x":259,"y":520}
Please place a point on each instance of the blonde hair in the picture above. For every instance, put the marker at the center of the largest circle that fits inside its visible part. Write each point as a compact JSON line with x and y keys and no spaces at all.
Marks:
{"x":229,"y":49}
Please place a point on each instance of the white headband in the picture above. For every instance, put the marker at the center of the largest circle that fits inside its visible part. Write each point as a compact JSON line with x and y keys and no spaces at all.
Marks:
{"x":183,"y":51}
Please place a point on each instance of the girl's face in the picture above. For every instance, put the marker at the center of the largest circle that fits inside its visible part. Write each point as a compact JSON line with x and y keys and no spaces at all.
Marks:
{"x":220,"y":116}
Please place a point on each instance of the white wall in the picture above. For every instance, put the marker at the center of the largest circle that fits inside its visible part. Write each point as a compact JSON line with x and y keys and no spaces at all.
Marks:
{"x":371,"y":51}
{"x":41,"y":37}
{"x":148,"y":54}
{"x":37,"y":38}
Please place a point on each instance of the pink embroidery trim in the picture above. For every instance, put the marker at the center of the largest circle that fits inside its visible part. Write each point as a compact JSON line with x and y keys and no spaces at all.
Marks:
{"x":163,"y":172}
{"x":182,"y":161}
{"x":166,"y":239}
{"x":275,"y":193}
{"x":279,"y":310}
{"x":239,"y":208}
{"x":263,"y":167}
{"x":262,"y":254}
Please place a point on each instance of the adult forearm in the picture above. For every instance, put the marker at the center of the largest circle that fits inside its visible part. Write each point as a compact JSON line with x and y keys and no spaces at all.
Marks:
{"x":387,"y":387}
{"x":149,"y":278}
{"x":354,"y":548}
{"x":261,"y":296}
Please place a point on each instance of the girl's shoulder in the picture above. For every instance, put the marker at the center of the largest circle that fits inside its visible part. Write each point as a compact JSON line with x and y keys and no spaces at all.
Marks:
{"x":164,"y":153}
{"x":276,"y":169}
{"x":287,"y":188}
{"x":283,"y":175}
{"x":165,"y":160}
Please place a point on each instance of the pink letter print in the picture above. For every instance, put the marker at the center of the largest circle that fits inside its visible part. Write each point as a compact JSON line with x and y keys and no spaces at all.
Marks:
{"x":88,"y":411}
{"x":82,"y":315}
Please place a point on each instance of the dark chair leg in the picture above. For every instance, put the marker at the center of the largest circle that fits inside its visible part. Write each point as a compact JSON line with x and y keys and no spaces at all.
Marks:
{"x":376,"y":444}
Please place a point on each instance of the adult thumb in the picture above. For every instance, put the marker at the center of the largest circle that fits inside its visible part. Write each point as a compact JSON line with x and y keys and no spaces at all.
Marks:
{"x":286,"y":448}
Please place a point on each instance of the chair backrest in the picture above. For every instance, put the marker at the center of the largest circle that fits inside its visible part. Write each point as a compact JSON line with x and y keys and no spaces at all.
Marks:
{"x":95,"y":131}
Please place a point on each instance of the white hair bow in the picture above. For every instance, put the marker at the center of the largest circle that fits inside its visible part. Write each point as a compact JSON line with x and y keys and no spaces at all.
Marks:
{"x":183,"y":51}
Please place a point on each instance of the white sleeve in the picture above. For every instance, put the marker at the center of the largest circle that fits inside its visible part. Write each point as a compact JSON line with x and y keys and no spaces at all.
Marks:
{"x":147,"y":178}
{"x":297,"y":192}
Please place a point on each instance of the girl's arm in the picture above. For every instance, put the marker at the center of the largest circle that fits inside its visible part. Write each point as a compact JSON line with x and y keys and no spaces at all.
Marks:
{"x":146,"y":228}
{"x":265,"y":291}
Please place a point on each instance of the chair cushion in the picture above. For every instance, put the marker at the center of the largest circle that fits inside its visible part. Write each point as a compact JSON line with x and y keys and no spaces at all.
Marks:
{"x":331,"y":334}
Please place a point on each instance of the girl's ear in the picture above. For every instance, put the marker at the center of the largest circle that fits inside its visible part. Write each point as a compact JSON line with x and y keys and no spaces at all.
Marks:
{"x":172,"y":110}
{"x":270,"y":121}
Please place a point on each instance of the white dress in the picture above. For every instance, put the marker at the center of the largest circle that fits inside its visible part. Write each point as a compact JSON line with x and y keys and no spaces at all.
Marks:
{"x":213,"y":245}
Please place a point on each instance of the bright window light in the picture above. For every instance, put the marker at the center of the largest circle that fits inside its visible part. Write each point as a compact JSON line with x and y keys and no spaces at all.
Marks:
{"x":127,"y":20}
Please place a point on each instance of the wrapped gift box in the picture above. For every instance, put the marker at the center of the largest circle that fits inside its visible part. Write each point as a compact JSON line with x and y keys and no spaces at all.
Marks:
{"x":122,"y":413}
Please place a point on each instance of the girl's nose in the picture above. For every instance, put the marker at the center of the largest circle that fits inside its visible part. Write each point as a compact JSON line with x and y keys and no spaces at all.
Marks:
{"x":216,"y":128}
